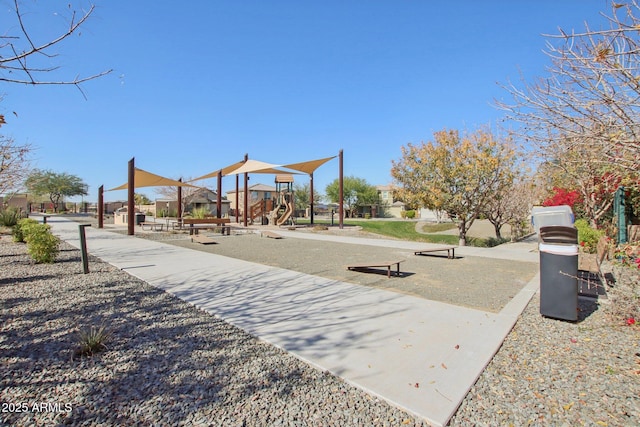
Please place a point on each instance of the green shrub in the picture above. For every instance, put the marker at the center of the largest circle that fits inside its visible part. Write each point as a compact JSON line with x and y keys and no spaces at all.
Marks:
{"x":587,"y":236}
{"x":410,"y":214}
{"x":200,"y":213}
{"x":491,"y":242}
{"x":163,"y":213}
{"x":9,"y":216}
{"x":19,"y":230}
{"x":42,"y":245}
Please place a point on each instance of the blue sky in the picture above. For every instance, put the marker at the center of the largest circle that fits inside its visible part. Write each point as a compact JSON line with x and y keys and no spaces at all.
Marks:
{"x":196,"y":85}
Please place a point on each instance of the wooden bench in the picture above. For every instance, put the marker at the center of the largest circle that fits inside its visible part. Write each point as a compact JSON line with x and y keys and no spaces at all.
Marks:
{"x":155,"y":226}
{"x":451,"y":251}
{"x":388,"y":264}
{"x":591,"y":263}
{"x":222,"y":224}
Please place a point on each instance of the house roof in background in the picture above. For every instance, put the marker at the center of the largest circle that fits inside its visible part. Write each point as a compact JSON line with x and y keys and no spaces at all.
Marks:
{"x":255,"y":187}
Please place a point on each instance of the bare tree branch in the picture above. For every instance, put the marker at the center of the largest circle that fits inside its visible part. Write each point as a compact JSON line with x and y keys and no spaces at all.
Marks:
{"x":15,"y":59}
{"x":591,"y":97}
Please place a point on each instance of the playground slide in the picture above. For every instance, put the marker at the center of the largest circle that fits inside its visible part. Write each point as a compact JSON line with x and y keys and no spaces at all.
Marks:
{"x":285,"y":216}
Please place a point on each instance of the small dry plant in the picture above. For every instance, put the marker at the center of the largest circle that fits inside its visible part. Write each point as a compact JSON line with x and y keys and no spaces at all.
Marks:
{"x":92,"y":340}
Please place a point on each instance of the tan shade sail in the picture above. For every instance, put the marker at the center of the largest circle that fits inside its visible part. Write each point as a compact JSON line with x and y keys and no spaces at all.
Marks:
{"x":256,"y":166}
{"x":143,"y":178}
{"x":225,"y":171}
{"x":309,"y":166}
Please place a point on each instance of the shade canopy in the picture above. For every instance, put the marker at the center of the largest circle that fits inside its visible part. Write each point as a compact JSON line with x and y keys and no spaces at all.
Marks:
{"x":225,"y":171}
{"x":256,"y":166}
{"x":308,"y":166}
{"x":250,"y":166}
{"x":143,"y":178}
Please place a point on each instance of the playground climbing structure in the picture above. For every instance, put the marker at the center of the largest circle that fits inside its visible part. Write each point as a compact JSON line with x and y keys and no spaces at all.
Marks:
{"x":284,"y":204}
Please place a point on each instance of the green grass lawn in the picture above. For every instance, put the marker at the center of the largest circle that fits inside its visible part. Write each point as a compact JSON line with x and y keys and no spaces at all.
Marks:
{"x":406,"y":230}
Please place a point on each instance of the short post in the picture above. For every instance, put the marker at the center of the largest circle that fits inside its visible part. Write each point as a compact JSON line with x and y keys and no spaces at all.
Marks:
{"x":83,"y":247}
{"x":44,"y":219}
{"x":619,"y":212}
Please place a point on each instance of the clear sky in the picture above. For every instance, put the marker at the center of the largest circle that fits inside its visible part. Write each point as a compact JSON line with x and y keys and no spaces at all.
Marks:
{"x":198,"y":84}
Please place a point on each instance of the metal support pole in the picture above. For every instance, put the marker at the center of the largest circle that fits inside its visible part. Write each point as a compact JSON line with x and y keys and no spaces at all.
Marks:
{"x":101,"y":206}
{"x":219,"y":196}
{"x":179,"y":207}
{"x":246,"y":194}
{"x":131,"y":215}
{"x":341,"y":192}
{"x":237,"y":199}
{"x":311,"y":196}
{"x":83,"y":247}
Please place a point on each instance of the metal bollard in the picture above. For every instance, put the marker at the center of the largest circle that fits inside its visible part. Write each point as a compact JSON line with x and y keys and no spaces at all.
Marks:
{"x":83,"y":247}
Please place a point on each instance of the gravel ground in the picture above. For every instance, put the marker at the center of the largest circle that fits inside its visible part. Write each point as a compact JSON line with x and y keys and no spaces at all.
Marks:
{"x":556,"y":373}
{"x":168,"y":363}
{"x":482,"y":283}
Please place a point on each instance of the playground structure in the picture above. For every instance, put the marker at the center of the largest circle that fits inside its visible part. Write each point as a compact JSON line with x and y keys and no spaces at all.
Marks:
{"x":284,"y":206}
{"x":138,"y":178}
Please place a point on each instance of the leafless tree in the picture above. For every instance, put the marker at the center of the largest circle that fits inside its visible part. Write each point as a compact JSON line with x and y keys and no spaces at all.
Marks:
{"x":24,"y":60}
{"x":171,"y":193}
{"x":21,"y":61}
{"x":14,"y":164}
{"x":591,"y":97}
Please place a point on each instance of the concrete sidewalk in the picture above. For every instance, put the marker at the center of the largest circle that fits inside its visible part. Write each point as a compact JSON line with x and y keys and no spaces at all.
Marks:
{"x":420,"y":355}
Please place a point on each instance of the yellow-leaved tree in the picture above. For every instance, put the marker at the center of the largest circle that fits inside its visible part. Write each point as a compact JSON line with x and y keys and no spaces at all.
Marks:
{"x":455,"y":174}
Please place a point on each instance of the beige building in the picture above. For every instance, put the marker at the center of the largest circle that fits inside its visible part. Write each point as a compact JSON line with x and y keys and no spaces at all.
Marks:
{"x":19,"y":201}
{"x":257,"y":192}
{"x":204,"y":198}
{"x":388,"y":206}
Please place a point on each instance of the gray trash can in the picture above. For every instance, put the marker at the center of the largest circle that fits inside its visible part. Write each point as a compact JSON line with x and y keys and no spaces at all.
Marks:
{"x":559,"y":272}
{"x":140,"y":218}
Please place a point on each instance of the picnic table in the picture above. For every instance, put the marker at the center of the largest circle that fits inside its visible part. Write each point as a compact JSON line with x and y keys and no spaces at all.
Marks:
{"x":155,"y":226}
{"x":222,"y":224}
